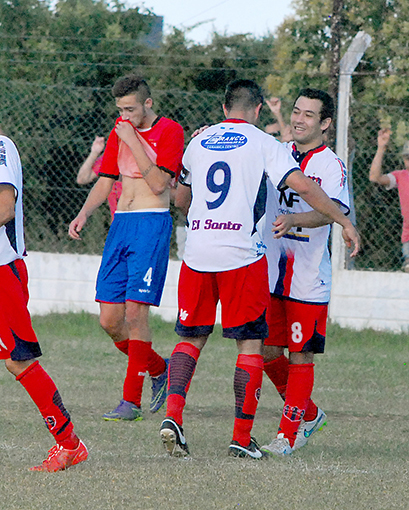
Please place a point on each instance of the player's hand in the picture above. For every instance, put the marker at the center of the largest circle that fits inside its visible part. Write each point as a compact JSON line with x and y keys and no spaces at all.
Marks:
{"x":274,"y":103}
{"x":384,"y":137}
{"x":283,"y":224}
{"x":76,"y":226}
{"x":98,"y":145}
{"x":126,"y":132}
{"x":352,"y":239}
{"x":199,"y":131}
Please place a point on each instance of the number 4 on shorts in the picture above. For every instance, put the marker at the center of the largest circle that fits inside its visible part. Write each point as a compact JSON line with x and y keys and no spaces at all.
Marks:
{"x":148,"y":277}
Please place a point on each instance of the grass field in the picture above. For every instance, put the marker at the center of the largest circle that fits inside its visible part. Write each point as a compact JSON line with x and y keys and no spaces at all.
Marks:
{"x":359,"y":461}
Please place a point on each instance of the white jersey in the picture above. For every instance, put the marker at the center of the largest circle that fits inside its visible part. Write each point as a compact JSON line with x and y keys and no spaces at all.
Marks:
{"x":299,"y":262}
{"x":11,"y":235}
{"x":227,"y":168}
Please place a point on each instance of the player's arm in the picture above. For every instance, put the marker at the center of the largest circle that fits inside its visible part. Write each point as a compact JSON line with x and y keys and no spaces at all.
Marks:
{"x":7,"y":203}
{"x":97,"y":196}
{"x":285,"y":222}
{"x":183,"y":197}
{"x":319,"y":200}
{"x":157,"y":179}
{"x":86,"y":173}
{"x":375,"y":173}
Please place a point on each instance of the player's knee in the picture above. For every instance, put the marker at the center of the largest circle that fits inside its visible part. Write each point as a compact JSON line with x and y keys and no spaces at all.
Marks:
{"x":17,"y":367}
{"x":272,"y":352}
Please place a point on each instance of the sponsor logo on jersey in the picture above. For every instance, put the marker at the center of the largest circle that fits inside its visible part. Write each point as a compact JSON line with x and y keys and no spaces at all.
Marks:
{"x":215,"y":225}
{"x":224,"y":141}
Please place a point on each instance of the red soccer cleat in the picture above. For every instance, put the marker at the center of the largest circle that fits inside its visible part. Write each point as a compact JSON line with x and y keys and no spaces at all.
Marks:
{"x":60,"y":458}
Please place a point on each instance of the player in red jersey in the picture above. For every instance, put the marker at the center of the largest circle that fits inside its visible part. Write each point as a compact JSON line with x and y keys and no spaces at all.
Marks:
{"x":224,"y":190}
{"x":146,"y":150}
{"x":18,"y":342}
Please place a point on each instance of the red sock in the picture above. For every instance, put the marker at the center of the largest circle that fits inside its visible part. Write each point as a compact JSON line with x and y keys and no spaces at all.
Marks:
{"x":156,"y":364}
{"x":138,"y":355}
{"x":247,"y":386}
{"x":311,"y":411}
{"x":299,"y":388}
{"x":122,"y":346}
{"x":45,"y":395}
{"x":277,"y":371}
{"x":182,"y":366}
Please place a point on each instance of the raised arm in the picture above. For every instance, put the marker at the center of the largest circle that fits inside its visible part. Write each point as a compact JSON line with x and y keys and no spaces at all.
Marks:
{"x":274,"y":103}
{"x":375,"y":173}
{"x":86,"y":173}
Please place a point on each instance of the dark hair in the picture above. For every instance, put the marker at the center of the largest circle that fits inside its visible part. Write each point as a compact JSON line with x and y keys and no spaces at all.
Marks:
{"x":243,"y":94}
{"x":131,"y":84}
{"x":327,"y":108}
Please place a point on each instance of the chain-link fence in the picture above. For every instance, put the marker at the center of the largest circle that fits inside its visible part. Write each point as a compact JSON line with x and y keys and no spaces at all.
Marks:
{"x":53,"y":128}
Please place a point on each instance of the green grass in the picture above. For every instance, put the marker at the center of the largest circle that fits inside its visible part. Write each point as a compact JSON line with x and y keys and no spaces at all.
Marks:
{"x":359,"y":461}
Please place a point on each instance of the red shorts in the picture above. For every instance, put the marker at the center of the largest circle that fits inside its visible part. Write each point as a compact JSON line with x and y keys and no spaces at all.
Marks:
{"x":17,"y":338}
{"x":244,"y":296}
{"x":299,"y":326}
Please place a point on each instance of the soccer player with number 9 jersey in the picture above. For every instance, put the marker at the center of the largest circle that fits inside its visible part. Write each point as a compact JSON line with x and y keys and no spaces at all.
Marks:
{"x":224,"y":187}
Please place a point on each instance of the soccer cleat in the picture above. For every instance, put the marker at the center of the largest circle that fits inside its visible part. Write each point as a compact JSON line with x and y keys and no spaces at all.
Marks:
{"x":252,"y":450}
{"x":159,"y":392}
{"x":278,"y":446}
{"x":307,"y":428}
{"x":125,"y":411}
{"x":173,"y":439}
{"x":60,"y":458}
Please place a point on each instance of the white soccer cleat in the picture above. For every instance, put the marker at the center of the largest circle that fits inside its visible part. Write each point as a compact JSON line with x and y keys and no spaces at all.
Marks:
{"x":307,"y":428}
{"x":279,"y":446}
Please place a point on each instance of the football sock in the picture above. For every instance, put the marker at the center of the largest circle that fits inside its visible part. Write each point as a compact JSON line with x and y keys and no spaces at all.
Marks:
{"x":122,"y":346}
{"x":277,"y":371}
{"x":182,"y":366}
{"x":311,"y":411}
{"x":247,"y":386}
{"x":299,"y":389}
{"x":156,"y":364}
{"x":45,"y":395}
{"x":138,"y":356}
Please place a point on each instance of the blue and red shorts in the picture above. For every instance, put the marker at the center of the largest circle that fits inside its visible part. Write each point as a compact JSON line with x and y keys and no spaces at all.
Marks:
{"x":299,"y":326}
{"x":244,"y":296}
{"x":17,"y":338}
{"x":135,"y":258}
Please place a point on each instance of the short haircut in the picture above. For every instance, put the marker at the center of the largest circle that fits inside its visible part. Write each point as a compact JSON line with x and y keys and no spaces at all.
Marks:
{"x":131,"y":84}
{"x":242,"y":94}
{"x":327,"y":108}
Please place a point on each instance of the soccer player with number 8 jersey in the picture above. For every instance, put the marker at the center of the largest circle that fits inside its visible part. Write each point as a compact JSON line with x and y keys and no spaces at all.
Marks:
{"x":300,"y":272}
{"x":226,"y":169}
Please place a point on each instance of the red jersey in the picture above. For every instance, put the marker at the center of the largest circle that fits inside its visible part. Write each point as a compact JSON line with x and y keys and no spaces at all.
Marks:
{"x":163,"y":142}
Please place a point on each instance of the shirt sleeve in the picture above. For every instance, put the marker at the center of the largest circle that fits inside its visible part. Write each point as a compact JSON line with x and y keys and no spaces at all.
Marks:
{"x":393,"y":183}
{"x":109,"y":165}
{"x":335,"y":184}
{"x":279,"y":162}
{"x":10,"y":165}
{"x":170,"y":148}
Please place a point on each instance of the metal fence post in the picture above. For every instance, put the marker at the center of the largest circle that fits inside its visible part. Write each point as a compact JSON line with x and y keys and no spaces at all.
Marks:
{"x":347,"y":66}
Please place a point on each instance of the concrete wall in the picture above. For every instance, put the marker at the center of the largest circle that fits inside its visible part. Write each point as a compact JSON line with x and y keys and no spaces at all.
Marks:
{"x":360,"y":299}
